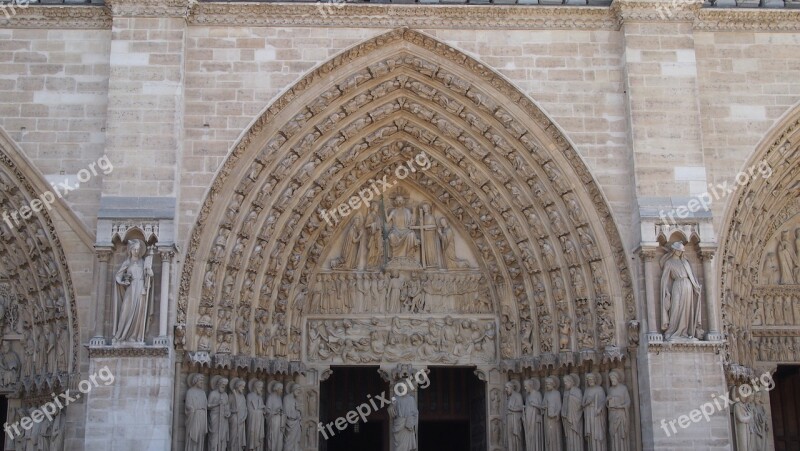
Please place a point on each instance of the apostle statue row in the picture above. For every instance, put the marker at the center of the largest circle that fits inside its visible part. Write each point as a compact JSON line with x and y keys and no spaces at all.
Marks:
{"x":570,"y":421}
{"x":234,"y":422}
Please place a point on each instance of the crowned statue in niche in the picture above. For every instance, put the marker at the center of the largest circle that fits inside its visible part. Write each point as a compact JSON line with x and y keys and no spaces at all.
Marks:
{"x":680,"y":297}
{"x":135,"y":292}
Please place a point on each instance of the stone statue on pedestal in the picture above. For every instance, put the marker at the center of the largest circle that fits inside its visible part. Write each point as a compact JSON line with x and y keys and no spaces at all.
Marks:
{"x":196,"y":413}
{"x":405,"y":416}
{"x":255,"y":415}
{"x":743,"y":418}
{"x":219,"y":411}
{"x":680,"y":297}
{"x":133,"y":280}
{"x":619,"y":403}
{"x":294,"y":419}
{"x":238,"y":410}
{"x":514,"y":407}
{"x":552,"y":414}
{"x":572,"y":413}
{"x":594,"y":414}
{"x":274,"y":417}
{"x":534,"y":429}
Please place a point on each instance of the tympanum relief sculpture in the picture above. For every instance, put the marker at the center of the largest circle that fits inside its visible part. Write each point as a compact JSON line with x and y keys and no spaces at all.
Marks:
{"x":774,"y":308}
{"x":405,"y":260}
{"x":446,"y":340}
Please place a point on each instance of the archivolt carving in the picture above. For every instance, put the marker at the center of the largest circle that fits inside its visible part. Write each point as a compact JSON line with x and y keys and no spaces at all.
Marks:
{"x":760,"y":268}
{"x":41,"y":326}
{"x":498,"y":164}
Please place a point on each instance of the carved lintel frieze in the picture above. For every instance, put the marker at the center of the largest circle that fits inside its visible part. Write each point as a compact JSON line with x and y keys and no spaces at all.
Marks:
{"x":750,"y":19}
{"x":688,"y":346}
{"x":393,"y":16}
{"x":95,"y":17}
{"x":128,"y":351}
{"x":149,"y":8}
{"x":650,"y":11}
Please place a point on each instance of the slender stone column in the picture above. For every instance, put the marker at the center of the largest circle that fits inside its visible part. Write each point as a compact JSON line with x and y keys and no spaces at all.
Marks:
{"x":712,"y":303}
{"x":650,"y":278}
{"x":101,"y":279}
{"x":163,"y":313}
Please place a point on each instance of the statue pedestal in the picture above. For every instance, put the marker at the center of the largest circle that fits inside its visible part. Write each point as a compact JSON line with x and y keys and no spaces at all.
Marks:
{"x":675,"y":379}
{"x":135,"y":410}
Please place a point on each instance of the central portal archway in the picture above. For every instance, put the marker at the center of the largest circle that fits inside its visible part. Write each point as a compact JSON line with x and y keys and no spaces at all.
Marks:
{"x":492,"y":248}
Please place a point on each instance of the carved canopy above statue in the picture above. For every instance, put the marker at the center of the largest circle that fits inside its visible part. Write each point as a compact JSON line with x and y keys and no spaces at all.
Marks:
{"x":507,"y":210}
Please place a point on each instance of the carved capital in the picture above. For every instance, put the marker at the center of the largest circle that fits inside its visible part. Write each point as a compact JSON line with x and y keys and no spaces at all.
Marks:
{"x":707,"y":254}
{"x":648,"y":254}
{"x":103,"y":255}
{"x":166,"y":254}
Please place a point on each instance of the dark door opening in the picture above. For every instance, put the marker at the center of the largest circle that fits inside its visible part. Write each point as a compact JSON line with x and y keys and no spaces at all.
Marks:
{"x":4,"y":419}
{"x":346,"y":389}
{"x":784,"y":402}
{"x":444,"y":436}
{"x":452,"y":411}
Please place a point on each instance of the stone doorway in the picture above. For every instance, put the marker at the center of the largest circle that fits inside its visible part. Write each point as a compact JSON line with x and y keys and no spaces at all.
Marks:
{"x":785,"y":407}
{"x":452,"y":411}
{"x":344,"y":391}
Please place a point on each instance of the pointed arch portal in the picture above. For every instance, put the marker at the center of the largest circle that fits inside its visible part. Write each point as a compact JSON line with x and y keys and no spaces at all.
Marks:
{"x":519,"y":199}
{"x":39,"y":320}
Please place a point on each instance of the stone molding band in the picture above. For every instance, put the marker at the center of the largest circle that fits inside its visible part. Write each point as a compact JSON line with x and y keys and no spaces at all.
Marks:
{"x":508,"y":17}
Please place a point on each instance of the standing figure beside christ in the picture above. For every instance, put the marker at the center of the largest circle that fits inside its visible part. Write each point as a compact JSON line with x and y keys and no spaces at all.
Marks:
{"x":431,"y":249}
